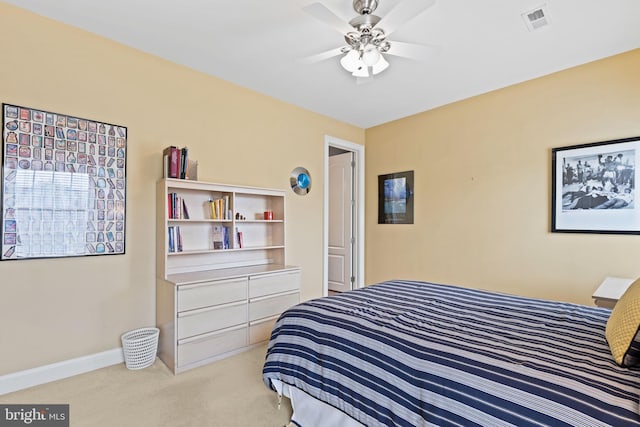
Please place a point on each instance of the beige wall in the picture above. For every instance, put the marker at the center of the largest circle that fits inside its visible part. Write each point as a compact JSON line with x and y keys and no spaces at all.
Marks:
{"x":57,"y":309}
{"x":483,"y":186}
{"x":482,"y":178}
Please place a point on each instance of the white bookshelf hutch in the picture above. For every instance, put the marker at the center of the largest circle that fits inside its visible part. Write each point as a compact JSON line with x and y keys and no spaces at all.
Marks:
{"x":213,"y":303}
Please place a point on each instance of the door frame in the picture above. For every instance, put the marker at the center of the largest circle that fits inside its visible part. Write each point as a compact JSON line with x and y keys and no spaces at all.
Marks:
{"x":358,"y":150}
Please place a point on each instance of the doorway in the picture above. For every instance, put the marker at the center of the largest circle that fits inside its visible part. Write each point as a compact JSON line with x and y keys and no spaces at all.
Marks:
{"x":343,"y":216}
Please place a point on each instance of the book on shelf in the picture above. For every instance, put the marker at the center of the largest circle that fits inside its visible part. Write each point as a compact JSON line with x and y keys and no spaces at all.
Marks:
{"x":185,"y":211}
{"x":178,"y":165}
{"x":220,"y":208}
{"x":172,"y":205}
{"x":225,"y":207}
{"x":220,"y":237}
{"x":170,"y":156}
{"x":177,"y":207}
{"x":175,"y":239}
{"x":212,"y":204}
{"x":171,"y":231}
{"x":183,"y":163}
{"x":239,"y":238}
{"x":174,"y":199}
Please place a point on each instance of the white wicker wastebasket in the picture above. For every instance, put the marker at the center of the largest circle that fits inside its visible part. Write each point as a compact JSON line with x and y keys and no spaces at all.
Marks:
{"x":140,"y":347}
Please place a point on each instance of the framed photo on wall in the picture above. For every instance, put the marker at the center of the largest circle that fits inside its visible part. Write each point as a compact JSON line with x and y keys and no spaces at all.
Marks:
{"x":593,"y":187}
{"x":63,"y":185}
{"x":395,"y":198}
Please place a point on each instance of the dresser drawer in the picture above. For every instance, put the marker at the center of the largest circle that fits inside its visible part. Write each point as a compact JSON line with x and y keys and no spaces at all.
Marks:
{"x":210,"y":345}
{"x":210,"y":319}
{"x":260,"y":330}
{"x":271,"y":306}
{"x":273,"y":283}
{"x":211,"y":293}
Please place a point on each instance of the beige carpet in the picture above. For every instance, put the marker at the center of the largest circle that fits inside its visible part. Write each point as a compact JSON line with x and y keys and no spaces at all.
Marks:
{"x":226,"y":393}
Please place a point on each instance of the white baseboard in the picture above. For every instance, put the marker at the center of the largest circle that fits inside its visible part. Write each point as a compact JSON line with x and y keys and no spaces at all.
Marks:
{"x":57,"y":371}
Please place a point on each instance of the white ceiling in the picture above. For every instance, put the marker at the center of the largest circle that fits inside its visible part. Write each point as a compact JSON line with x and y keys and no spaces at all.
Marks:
{"x":259,"y":44}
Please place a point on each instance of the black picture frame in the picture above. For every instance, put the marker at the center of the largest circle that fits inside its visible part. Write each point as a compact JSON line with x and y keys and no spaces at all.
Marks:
{"x":593,"y":187}
{"x":63,"y":191}
{"x":395,"y":198}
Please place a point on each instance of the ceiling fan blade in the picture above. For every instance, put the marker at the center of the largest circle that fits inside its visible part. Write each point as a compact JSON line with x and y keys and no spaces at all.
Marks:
{"x":320,"y":12}
{"x":403,"y":12}
{"x":420,"y":52}
{"x":322,"y":56}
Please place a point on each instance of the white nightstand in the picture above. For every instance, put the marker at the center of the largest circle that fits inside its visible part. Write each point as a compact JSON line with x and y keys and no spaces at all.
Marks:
{"x":610,"y":291}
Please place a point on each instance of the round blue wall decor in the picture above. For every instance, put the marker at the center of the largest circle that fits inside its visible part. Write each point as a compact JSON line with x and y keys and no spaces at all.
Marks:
{"x":300,"y":180}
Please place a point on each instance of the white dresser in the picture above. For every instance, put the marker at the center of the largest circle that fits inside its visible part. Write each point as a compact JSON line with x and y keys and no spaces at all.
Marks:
{"x":207,"y":315}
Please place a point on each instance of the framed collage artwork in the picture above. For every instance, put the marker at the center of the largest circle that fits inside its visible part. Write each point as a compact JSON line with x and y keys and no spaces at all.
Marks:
{"x":63,"y":185}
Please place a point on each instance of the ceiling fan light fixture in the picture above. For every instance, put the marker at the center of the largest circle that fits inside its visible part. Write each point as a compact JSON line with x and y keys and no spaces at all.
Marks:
{"x":366,"y":40}
{"x":351,"y":61}
{"x":358,"y":67}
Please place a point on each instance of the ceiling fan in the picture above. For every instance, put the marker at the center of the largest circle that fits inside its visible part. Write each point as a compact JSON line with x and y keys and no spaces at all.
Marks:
{"x":367,"y":35}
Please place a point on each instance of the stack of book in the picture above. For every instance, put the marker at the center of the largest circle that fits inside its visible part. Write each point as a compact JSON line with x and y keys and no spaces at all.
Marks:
{"x":178,"y":165}
{"x":176,"y":207}
{"x":220,"y":208}
{"x":175,"y":239}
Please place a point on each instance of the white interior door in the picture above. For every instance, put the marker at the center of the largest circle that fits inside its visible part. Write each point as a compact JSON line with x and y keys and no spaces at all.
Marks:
{"x":341,"y":238}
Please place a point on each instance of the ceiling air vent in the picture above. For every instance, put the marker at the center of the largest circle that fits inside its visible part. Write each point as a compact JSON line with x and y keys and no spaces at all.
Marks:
{"x":536,"y":18}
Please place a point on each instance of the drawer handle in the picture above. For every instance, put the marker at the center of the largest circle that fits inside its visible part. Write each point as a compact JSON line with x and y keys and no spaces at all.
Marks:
{"x":203,"y":284}
{"x":265,"y":320}
{"x":266,"y":297}
{"x":265,"y":275}
{"x":211,"y":308}
{"x":208,"y":335}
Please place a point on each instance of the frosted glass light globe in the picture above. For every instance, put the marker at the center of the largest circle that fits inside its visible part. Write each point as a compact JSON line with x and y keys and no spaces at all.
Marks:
{"x":351,"y":61}
{"x":371,"y":56}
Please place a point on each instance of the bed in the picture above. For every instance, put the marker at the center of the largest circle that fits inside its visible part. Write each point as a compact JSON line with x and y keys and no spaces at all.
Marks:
{"x":409,"y":353}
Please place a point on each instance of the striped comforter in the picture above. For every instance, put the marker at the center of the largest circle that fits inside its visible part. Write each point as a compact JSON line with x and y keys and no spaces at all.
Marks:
{"x":406,"y":353}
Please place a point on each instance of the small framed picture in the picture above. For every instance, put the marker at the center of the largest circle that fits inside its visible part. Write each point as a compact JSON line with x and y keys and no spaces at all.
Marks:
{"x":593,"y":187}
{"x":395,"y":198}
